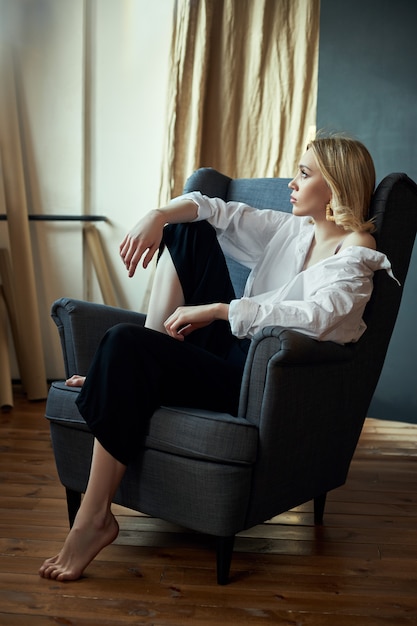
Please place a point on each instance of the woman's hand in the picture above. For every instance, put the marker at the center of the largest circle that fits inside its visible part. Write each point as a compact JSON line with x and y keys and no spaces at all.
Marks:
{"x":186,"y":319}
{"x":144,"y":239}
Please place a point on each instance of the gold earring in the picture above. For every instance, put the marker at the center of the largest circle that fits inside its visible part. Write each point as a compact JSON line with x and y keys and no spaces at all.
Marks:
{"x":329,"y":213}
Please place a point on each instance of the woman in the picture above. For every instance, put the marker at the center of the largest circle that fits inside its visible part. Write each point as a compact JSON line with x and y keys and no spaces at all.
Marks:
{"x":311,"y":271}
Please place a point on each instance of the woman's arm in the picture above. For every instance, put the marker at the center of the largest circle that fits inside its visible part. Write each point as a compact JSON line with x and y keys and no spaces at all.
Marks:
{"x":325,"y":302}
{"x":242,"y":230}
{"x":145,"y":237}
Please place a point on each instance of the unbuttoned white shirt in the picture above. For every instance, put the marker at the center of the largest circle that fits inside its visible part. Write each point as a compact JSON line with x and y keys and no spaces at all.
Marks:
{"x":326,"y":301}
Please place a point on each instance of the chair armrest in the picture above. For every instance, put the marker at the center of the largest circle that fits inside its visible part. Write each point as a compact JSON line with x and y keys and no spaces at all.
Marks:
{"x":81,"y":326}
{"x":277,"y":346}
{"x":302,"y":396}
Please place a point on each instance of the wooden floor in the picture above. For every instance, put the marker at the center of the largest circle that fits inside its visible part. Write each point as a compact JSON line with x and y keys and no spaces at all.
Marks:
{"x":359,"y":569}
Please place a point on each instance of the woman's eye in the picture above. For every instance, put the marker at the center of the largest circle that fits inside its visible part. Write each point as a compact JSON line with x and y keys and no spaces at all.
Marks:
{"x":303,"y":174}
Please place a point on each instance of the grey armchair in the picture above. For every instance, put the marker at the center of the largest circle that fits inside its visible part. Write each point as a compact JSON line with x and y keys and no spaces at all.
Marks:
{"x":219,"y":474}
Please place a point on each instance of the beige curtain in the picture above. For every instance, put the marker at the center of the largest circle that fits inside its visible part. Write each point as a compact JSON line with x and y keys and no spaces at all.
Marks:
{"x":28,"y":344}
{"x":243,"y":88}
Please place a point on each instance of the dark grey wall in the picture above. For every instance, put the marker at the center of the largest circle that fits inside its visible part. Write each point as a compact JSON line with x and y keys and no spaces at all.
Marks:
{"x":367,"y":86}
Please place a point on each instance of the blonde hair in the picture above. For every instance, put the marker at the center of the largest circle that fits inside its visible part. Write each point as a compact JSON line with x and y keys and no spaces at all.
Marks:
{"x":348,"y":169}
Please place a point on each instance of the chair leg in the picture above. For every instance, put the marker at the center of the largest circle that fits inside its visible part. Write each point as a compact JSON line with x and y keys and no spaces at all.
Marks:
{"x":224,"y":558}
{"x":319,"y":504}
{"x":73,"y":504}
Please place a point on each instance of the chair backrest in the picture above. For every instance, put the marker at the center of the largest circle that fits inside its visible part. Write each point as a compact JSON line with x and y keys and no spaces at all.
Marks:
{"x":394,"y":209}
{"x":262,"y":193}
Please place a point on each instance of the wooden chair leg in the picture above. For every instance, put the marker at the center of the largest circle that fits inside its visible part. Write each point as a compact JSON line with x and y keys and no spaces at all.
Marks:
{"x":224,"y":558}
{"x":319,"y":504}
{"x":73,"y":504}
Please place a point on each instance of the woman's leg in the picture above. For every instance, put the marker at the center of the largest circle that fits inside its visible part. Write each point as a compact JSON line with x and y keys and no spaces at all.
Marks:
{"x":135,"y":367}
{"x":166,"y":294}
{"x":134,"y":371}
{"x":95,"y":526}
{"x":191,"y":269}
{"x":197,"y":273}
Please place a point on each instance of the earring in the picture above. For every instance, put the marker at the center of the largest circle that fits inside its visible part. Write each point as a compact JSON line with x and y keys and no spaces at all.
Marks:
{"x":329,"y":213}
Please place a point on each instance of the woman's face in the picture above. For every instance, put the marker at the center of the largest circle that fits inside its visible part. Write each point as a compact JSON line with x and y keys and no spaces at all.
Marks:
{"x":310,"y":192}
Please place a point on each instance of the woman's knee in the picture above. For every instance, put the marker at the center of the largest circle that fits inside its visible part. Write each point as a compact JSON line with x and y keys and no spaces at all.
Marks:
{"x":198,"y":237}
{"x":128,"y":337}
{"x":122,"y":337}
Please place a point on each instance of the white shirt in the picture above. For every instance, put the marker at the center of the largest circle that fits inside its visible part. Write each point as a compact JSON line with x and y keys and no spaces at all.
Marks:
{"x":325,"y":301}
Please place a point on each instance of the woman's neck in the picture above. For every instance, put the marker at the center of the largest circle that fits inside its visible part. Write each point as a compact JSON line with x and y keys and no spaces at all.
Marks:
{"x":325,"y":232}
{"x":324,"y":242}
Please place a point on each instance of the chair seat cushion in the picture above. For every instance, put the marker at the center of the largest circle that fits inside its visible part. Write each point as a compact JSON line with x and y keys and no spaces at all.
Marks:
{"x":191,"y":433}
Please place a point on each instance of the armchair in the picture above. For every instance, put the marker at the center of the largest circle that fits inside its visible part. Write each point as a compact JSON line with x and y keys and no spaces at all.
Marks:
{"x":219,"y":474}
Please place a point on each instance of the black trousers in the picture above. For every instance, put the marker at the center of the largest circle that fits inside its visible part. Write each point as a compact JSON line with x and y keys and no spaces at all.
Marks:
{"x":135,"y":370}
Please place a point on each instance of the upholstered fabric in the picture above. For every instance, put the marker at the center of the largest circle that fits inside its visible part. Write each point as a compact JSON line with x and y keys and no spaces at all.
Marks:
{"x":199,"y":434}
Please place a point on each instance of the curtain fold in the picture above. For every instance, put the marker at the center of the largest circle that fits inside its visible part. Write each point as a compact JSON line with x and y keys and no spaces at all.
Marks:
{"x":243,"y":88}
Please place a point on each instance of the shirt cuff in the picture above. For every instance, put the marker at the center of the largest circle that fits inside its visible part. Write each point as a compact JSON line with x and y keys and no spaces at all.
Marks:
{"x":242,"y":316}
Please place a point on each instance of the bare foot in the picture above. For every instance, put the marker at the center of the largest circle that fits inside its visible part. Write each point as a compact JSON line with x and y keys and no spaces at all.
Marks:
{"x":75,"y":381}
{"x":84,"y":542}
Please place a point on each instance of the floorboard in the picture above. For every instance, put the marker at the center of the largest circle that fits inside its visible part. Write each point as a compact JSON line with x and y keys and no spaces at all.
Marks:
{"x":359,"y":569}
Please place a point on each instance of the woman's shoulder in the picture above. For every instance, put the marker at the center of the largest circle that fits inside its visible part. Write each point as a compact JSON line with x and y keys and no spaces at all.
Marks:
{"x":355,"y":238}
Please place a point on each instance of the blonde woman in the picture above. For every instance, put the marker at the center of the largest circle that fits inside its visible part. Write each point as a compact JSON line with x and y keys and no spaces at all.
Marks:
{"x":310,"y":270}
